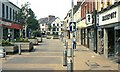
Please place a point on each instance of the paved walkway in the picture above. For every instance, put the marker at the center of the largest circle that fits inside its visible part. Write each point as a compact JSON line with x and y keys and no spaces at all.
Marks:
{"x":85,"y":59}
{"x":47,"y":56}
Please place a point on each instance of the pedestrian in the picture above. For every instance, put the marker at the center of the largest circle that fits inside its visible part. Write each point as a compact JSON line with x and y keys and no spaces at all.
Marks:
{"x":74,"y":42}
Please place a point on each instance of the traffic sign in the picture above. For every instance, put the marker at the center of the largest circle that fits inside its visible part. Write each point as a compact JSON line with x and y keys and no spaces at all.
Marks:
{"x":72,"y":26}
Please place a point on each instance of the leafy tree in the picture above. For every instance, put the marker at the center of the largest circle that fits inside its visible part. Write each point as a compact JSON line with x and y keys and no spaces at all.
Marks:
{"x":27,"y":17}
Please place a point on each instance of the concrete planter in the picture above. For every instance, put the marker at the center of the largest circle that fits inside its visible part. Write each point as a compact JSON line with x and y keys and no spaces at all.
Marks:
{"x":34,"y":41}
{"x":11,"y":49}
{"x":2,"y":49}
{"x":26,"y":46}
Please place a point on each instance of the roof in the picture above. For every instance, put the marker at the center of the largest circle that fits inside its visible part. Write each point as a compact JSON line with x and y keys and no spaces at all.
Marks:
{"x":50,"y":21}
{"x":43,"y":20}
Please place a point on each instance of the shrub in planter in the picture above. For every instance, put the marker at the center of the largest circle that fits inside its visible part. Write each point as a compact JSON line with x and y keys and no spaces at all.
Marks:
{"x":22,"y":39}
{"x":9,"y":47}
{"x":6,"y":43}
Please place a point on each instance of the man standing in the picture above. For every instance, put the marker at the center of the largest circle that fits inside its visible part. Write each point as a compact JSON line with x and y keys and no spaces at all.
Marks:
{"x":74,"y":42}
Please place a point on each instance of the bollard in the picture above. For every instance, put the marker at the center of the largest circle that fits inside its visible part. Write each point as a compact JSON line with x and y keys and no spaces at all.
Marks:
{"x":65,"y":58}
{"x":69,"y":52}
{"x":20,"y":49}
{"x":70,"y":65}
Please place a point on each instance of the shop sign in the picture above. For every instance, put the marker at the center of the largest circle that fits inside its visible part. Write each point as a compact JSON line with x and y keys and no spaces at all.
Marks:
{"x":5,"y":23}
{"x":110,"y":16}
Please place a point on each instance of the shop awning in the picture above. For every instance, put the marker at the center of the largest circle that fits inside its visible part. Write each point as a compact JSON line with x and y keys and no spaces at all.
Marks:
{"x":10,"y":25}
{"x":15,"y":26}
{"x":81,"y":24}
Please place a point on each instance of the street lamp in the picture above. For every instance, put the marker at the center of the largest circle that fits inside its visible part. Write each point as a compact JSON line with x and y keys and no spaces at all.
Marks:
{"x":70,"y":62}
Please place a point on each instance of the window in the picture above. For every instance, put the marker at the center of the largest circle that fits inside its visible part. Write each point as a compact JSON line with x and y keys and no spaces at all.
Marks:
{"x":10,"y":13}
{"x":42,"y":24}
{"x":61,"y":24}
{"x":53,"y":24}
{"x":42,"y":29}
{"x":6,"y":12}
{"x":57,"y":24}
{"x":108,"y":2}
{"x":3,"y":10}
{"x":13,"y":16}
{"x":57,"y":29}
{"x":54,"y":29}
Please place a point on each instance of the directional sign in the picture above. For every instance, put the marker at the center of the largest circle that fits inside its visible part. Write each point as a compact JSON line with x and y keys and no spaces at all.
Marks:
{"x":72,"y":26}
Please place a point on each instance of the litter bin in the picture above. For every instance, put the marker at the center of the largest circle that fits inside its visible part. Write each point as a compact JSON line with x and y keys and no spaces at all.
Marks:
{"x":65,"y":58}
{"x":70,"y":65}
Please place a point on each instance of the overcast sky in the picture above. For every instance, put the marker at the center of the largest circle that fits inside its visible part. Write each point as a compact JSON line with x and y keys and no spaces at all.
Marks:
{"x":43,"y":8}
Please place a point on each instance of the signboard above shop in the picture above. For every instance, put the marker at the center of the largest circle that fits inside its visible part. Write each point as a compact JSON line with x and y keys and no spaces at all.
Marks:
{"x":110,"y":16}
{"x":10,"y":25}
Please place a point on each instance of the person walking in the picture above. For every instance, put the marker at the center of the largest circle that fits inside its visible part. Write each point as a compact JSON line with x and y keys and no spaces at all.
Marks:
{"x":74,"y":42}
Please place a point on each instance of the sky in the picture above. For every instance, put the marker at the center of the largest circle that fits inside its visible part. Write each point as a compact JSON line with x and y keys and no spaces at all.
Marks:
{"x":43,"y":8}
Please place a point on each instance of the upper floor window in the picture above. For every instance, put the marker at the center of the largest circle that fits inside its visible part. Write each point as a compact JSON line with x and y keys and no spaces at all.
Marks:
{"x":6,"y":12}
{"x":10,"y":13}
{"x":42,"y":24}
{"x":57,"y":29}
{"x":57,"y":24}
{"x":3,"y":10}
{"x":53,"y":24}
{"x":108,"y":2}
{"x":13,"y":15}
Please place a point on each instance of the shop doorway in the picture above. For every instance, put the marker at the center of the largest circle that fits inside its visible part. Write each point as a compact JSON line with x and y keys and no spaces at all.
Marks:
{"x":111,"y":42}
{"x":117,"y":43}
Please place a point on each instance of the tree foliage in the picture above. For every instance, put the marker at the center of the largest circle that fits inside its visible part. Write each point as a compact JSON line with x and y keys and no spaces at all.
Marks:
{"x":27,"y":16}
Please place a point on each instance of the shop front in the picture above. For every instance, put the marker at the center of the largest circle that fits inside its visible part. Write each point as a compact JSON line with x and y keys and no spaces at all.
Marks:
{"x":9,"y":30}
{"x":83,"y":32}
{"x":108,"y":32}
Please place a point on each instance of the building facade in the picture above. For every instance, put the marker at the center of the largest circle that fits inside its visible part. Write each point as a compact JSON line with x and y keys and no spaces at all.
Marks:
{"x":109,"y":30}
{"x":57,"y":27}
{"x":9,"y":25}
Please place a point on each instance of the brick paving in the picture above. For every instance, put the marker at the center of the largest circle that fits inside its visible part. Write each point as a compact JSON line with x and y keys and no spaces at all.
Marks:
{"x":49,"y":56}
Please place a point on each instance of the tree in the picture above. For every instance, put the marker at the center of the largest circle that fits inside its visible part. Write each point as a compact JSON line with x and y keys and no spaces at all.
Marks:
{"x":27,"y":18}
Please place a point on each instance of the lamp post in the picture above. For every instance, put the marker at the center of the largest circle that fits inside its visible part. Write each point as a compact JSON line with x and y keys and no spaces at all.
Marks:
{"x":70,"y":63}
